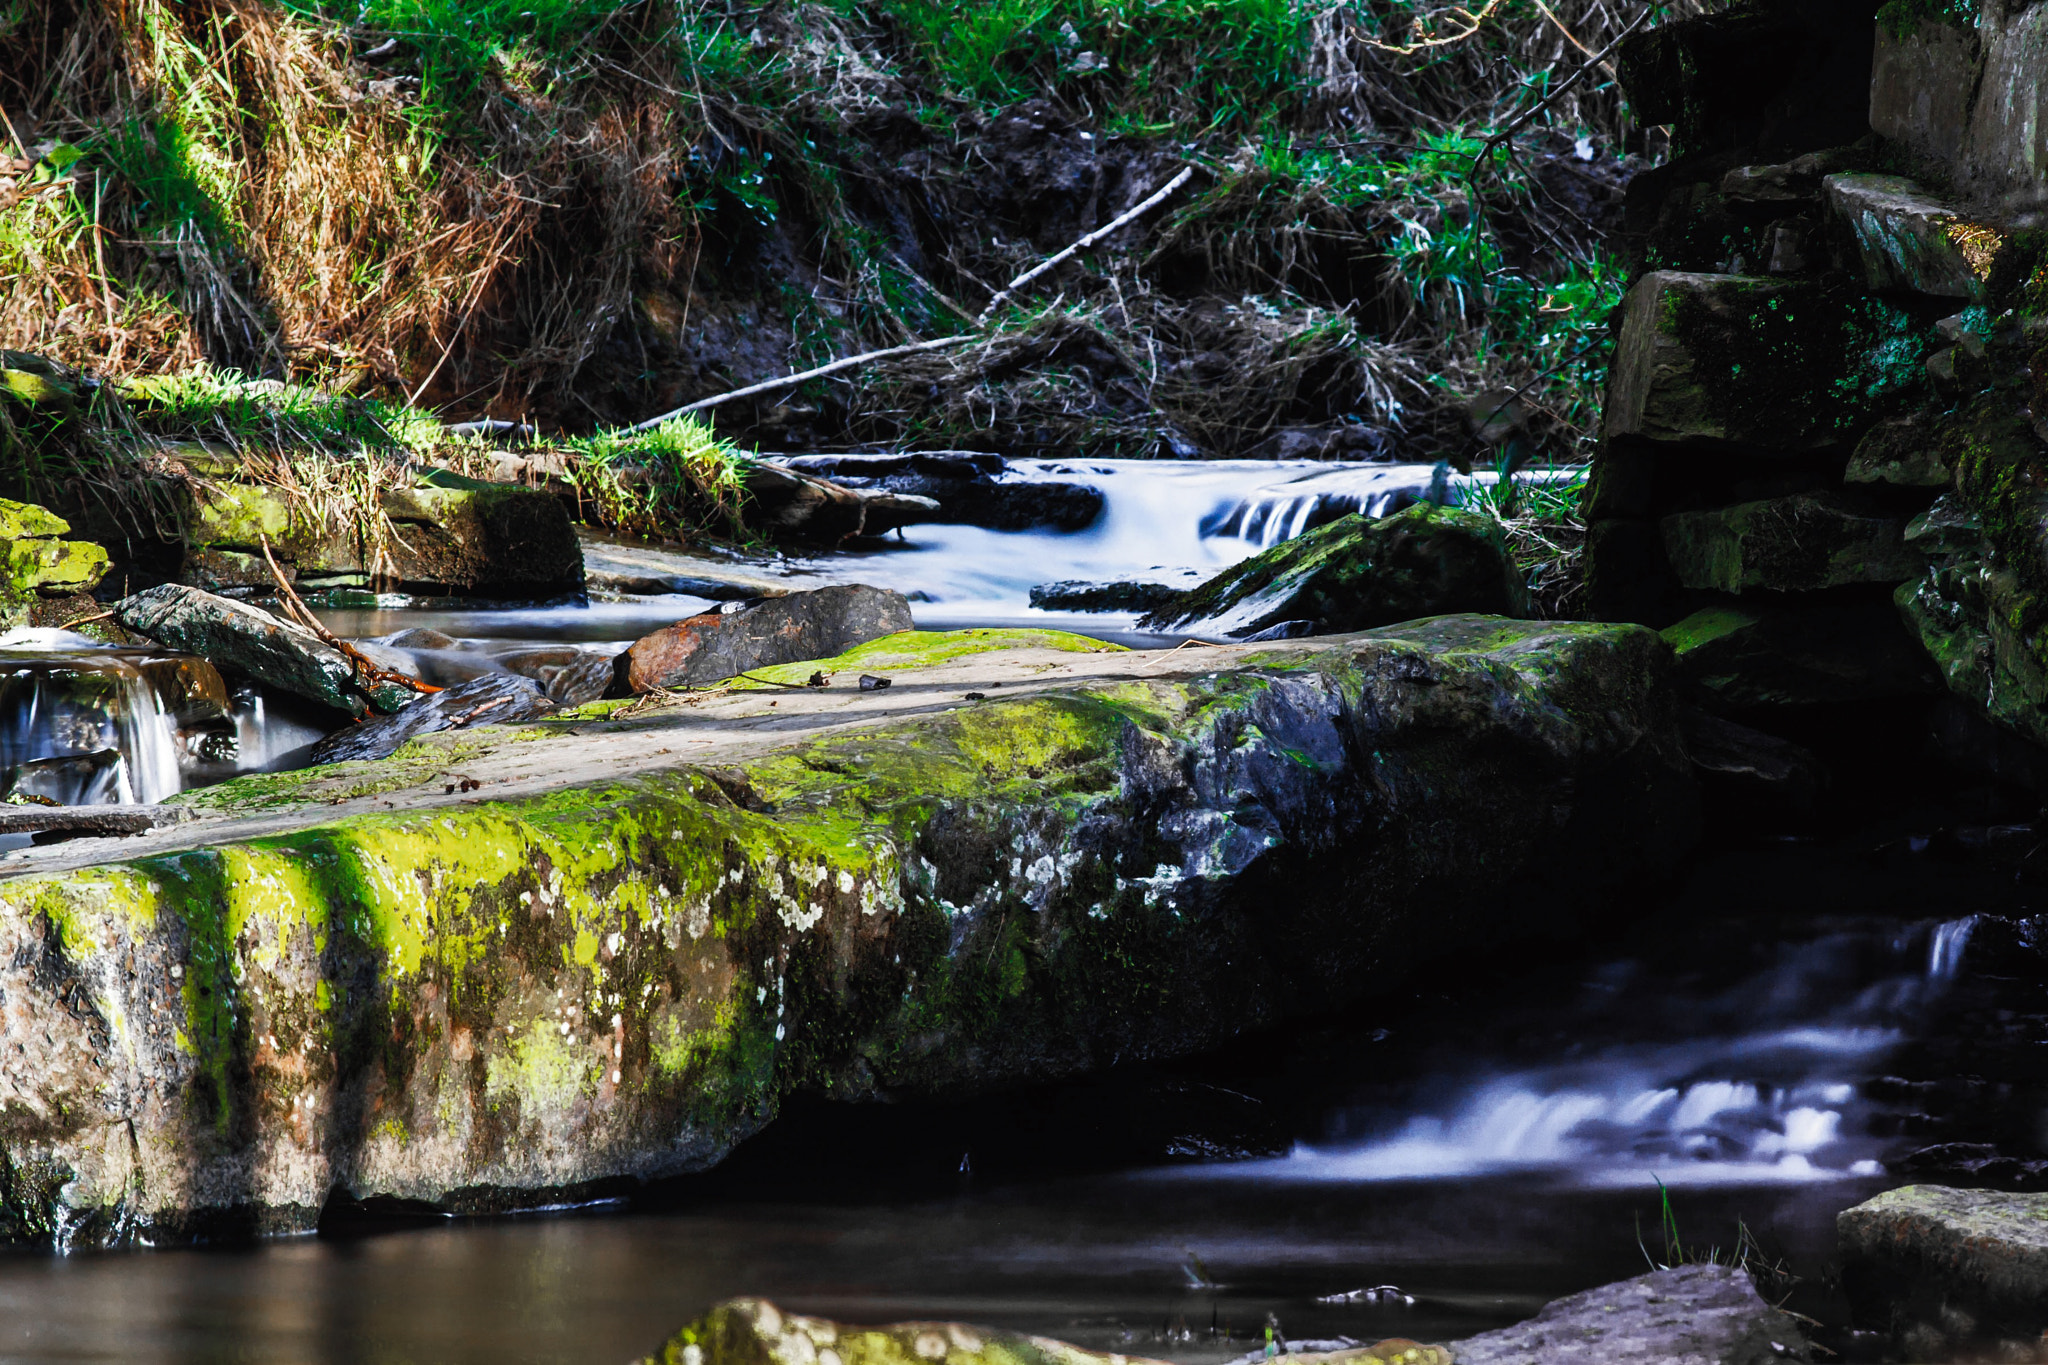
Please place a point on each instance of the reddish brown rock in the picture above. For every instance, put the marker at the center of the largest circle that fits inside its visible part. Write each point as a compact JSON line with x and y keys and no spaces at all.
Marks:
{"x":804,"y":625}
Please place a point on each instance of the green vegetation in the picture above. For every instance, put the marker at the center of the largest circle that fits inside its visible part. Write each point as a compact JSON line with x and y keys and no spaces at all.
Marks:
{"x":1900,"y":17}
{"x":649,"y":484}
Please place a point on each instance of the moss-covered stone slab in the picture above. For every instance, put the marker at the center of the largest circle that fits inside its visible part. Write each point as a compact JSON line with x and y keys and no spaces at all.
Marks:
{"x":756,"y":1332}
{"x":36,"y":567}
{"x":1742,"y":657}
{"x":1687,"y":1315}
{"x":608,"y":951}
{"x":1773,"y":364}
{"x":1911,"y":240}
{"x":1797,"y":544}
{"x":1357,"y":573}
{"x":499,"y":538}
{"x":1947,"y":1271}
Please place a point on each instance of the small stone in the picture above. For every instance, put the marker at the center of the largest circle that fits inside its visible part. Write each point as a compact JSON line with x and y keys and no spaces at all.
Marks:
{"x":869,"y":682}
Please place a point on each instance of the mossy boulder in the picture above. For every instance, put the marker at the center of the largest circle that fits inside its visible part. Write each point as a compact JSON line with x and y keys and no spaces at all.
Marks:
{"x":586,"y":976}
{"x":1742,"y":657}
{"x":1357,"y":573}
{"x":498,"y":538}
{"x":38,"y":566}
{"x":1797,"y":544}
{"x":1949,"y":1273}
{"x":1769,"y":363}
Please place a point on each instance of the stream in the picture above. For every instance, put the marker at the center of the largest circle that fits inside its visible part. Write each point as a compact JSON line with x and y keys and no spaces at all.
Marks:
{"x":1441,"y":1164}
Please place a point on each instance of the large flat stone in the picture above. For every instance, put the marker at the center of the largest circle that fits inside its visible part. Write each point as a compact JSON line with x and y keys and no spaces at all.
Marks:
{"x":615,"y":565}
{"x":1773,"y":364}
{"x":1949,"y":1270}
{"x":1796,"y":544}
{"x":1688,"y":1315}
{"x":1909,"y":239}
{"x":644,"y":924}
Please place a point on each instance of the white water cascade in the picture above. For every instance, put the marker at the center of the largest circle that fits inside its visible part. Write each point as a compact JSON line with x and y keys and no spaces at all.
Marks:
{"x":1776,"y":1102}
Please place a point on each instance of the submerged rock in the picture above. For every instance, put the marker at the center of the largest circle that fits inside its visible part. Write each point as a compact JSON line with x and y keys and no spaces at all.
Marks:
{"x":614,"y":964}
{"x":800,"y":625}
{"x":1075,"y":594}
{"x":497,"y":699}
{"x":1688,"y":1315}
{"x":1354,"y":574}
{"x":793,"y":504}
{"x":756,"y":1332}
{"x":1949,"y":1271}
{"x":969,"y":487}
{"x":277,"y":653}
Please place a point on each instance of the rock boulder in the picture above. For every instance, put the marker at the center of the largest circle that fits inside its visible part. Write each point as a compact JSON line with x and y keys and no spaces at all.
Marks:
{"x":37,"y":565}
{"x":1688,"y":1315}
{"x":1801,"y":543}
{"x":800,"y":625}
{"x":615,"y":956}
{"x":1949,"y":1272}
{"x":1355,"y":574}
{"x":236,"y":636}
{"x":497,"y":699}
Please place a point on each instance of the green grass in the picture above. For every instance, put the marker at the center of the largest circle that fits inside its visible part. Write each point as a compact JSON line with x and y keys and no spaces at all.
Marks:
{"x":676,"y":478}
{"x":206,"y":403}
{"x":1196,"y":65}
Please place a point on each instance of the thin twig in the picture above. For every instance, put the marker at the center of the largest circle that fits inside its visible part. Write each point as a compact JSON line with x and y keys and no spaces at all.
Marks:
{"x":87,"y":620}
{"x":1485,"y":153}
{"x":942,"y":343}
{"x":364,"y":665}
{"x":1151,"y":202}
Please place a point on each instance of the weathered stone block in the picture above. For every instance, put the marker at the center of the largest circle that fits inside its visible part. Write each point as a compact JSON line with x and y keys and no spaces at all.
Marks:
{"x":1745,"y":658}
{"x":1949,"y":1271}
{"x":1356,"y":573}
{"x":1911,"y":240}
{"x":36,"y":568}
{"x":1920,"y":87}
{"x":1776,"y":364}
{"x":1797,"y":544}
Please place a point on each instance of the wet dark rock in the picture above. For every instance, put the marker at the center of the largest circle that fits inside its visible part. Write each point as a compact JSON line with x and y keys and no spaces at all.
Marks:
{"x":1750,"y":765}
{"x":277,"y":653}
{"x":498,"y":699}
{"x":1075,"y":594}
{"x":1354,"y":574}
{"x":1285,"y":630}
{"x":1911,"y":240}
{"x":1973,"y":1165}
{"x":802,"y":625}
{"x":1689,"y":1315}
{"x":798,"y":505}
{"x":81,"y":822}
{"x":1945,"y":1271}
{"x":1742,"y":656}
{"x":1902,"y":452}
{"x":567,"y":676}
{"x":971,"y":488}
{"x":1796,"y":544}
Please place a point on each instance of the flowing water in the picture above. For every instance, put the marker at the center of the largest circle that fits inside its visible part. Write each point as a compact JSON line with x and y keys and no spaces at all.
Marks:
{"x":1480,"y":1146}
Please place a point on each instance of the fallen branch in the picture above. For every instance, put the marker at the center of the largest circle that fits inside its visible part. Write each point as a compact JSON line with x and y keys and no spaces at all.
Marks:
{"x":943,"y":343}
{"x":1151,"y":202}
{"x":365,"y":667}
{"x":792,"y":379}
{"x":1599,"y":59}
